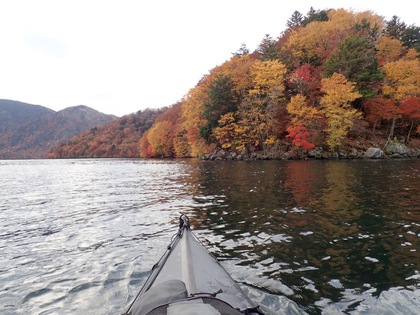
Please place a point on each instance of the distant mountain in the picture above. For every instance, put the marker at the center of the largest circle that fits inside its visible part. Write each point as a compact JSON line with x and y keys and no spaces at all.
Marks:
{"x":14,"y":113}
{"x":33,"y":130}
{"x":118,"y":139}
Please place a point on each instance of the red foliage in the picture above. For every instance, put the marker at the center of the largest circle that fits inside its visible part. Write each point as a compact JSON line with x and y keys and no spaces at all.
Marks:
{"x":299,"y":136}
{"x":305,"y":80}
{"x":381,"y":109}
{"x":411,"y":107}
{"x":304,"y":72}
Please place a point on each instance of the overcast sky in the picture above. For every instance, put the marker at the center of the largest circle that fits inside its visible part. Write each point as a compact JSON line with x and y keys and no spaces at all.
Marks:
{"x":122,"y":56}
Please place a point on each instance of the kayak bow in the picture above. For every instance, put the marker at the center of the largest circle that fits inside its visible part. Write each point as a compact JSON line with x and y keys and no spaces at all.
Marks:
{"x":188,"y":279}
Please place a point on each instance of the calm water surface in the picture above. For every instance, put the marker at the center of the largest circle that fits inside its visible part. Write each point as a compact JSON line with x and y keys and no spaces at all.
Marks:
{"x":302,"y":237}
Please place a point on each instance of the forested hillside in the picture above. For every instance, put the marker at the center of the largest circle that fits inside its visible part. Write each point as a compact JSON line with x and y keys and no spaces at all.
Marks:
{"x":119,"y":138}
{"x":334,"y":80}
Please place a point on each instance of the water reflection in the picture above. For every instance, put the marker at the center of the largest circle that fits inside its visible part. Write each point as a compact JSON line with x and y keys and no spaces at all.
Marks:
{"x":327,"y":235}
{"x":331,"y":237}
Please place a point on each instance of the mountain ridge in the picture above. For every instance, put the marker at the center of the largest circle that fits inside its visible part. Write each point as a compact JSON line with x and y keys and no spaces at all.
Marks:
{"x":31,"y":131}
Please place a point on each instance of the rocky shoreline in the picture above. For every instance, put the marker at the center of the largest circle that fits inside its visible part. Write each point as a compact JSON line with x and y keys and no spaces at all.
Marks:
{"x":393,"y":150}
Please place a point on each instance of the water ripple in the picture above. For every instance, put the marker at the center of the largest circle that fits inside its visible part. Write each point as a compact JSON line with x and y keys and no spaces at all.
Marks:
{"x":80,"y":236}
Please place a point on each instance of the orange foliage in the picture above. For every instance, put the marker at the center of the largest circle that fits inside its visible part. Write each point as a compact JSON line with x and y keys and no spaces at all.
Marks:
{"x":119,"y":138}
{"x":226,"y":133}
{"x":238,"y":69}
{"x":158,"y":141}
{"x":318,"y":40}
{"x":388,"y":49}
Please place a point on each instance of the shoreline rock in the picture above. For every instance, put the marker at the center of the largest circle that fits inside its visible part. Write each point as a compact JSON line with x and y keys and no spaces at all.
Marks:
{"x":393,"y":151}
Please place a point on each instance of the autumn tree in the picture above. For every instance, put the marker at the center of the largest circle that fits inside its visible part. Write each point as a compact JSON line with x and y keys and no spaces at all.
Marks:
{"x":410,"y":108}
{"x":314,"y":43}
{"x":258,"y":115}
{"x":160,"y":138}
{"x":304,"y":80}
{"x":388,"y":49}
{"x":254,"y":126}
{"x":336,"y":105}
{"x":181,"y":145}
{"x":239,"y":71}
{"x":268,"y":79}
{"x":378,"y":109}
{"x":227,"y":131}
{"x":402,"y":81}
{"x":146,"y":150}
{"x":192,"y":119}
{"x":304,"y":119}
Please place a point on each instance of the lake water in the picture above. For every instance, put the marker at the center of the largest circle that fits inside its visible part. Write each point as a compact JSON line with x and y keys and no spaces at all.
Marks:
{"x":302,"y":237}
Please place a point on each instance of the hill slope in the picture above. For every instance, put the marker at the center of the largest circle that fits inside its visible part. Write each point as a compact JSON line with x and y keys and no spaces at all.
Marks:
{"x":14,"y":113}
{"x":35,"y":137}
{"x":119,"y":138}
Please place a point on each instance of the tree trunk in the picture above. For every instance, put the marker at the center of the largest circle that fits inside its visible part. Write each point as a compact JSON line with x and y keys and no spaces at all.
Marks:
{"x":409,"y":131}
{"x":391,"y":133}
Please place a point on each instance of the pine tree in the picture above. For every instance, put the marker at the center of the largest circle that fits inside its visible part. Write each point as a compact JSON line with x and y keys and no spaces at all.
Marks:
{"x":295,"y":20}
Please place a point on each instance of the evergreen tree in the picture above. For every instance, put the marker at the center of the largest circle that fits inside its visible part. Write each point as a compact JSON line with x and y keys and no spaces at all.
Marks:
{"x":295,"y":20}
{"x":395,"y":28}
{"x":356,"y":60}
{"x":408,"y":35}
{"x":312,"y":15}
{"x":411,"y":37}
{"x":221,"y":100}
{"x":268,"y":49}
{"x":242,"y":51}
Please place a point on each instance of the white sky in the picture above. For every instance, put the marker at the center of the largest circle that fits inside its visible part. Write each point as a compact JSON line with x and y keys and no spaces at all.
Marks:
{"x":122,"y":56}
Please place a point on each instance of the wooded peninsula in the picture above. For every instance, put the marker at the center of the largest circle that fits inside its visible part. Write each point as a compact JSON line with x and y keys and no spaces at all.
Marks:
{"x":334,"y":83}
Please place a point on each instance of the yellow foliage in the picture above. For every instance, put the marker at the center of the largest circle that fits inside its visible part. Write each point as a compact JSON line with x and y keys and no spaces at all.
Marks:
{"x":268,"y":78}
{"x":349,"y":18}
{"x":411,"y":54}
{"x":255,"y":124}
{"x":402,"y":79}
{"x":300,"y":112}
{"x":271,"y":140}
{"x":339,"y":93}
{"x":192,"y":107}
{"x":389,"y":49}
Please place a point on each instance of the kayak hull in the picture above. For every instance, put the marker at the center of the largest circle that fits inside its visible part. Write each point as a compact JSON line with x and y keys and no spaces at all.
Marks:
{"x":189,"y":274}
